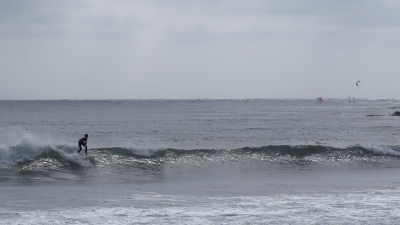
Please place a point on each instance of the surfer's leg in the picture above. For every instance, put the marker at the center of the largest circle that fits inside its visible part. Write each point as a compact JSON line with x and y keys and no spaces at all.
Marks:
{"x":80,"y":148}
{"x":86,"y":150}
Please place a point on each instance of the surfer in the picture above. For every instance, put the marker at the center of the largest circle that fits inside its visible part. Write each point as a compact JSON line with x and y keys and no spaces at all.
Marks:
{"x":83,"y":141}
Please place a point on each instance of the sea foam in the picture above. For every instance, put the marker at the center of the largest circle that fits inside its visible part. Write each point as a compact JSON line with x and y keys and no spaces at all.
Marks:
{"x":382,"y":150}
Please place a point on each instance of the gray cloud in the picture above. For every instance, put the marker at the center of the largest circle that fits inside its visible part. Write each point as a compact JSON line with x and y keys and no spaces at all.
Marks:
{"x":214,"y":49}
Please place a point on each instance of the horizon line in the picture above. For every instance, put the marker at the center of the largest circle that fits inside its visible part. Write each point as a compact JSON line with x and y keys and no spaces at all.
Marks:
{"x":183,"y":99}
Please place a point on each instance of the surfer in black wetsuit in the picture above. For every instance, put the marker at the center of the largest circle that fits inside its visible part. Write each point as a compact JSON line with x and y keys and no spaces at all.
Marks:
{"x":83,"y":141}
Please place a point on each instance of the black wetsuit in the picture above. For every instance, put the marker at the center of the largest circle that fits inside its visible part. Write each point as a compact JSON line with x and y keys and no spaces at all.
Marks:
{"x":82,"y":141}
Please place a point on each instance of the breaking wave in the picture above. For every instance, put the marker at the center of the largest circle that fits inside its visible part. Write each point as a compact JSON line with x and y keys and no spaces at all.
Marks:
{"x":33,"y":154}
{"x":28,"y":154}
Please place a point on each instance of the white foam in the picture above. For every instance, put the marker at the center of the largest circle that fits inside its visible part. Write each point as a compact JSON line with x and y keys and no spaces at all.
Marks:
{"x":381,"y":150}
{"x":362,"y":207}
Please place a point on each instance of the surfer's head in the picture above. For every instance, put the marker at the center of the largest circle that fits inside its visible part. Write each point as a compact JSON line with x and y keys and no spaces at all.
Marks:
{"x":86,"y":135}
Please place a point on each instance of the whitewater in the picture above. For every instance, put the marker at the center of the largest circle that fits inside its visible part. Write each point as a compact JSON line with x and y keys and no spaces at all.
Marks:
{"x":202,"y":161}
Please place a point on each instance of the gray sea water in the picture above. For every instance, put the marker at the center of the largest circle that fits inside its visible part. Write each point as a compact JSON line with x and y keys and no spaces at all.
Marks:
{"x":257,"y":161}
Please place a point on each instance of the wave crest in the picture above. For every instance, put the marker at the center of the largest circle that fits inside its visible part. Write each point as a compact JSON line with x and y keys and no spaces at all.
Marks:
{"x":28,"y":153}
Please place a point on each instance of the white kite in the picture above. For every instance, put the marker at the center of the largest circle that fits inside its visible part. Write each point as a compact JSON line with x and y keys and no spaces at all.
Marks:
{"x":357,"y":83}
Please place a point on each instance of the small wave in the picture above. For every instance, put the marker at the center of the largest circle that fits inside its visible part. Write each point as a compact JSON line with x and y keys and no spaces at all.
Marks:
{"x":273,"y":153}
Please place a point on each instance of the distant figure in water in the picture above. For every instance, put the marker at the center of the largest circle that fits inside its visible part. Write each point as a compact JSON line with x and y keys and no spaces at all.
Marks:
{"x":83,"y":141}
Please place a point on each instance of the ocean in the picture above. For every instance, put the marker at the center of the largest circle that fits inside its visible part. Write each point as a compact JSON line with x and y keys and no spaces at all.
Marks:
{"x":201,"y":161}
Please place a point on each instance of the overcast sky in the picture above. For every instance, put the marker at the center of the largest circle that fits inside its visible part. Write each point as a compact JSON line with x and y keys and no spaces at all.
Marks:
{"x":189,"y":49}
